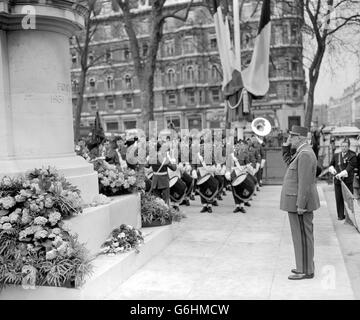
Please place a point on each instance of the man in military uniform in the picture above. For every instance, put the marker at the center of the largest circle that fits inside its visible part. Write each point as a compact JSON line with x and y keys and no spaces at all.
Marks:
{"x":299,"y":197}
{"x":342,"y":166}
{"x":160,"y":181}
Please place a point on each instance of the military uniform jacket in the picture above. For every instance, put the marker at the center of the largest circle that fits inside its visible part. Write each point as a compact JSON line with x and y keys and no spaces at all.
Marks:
{"x":299,"y":186}
{"x":161,"y":181}
{"x":347,"y":162}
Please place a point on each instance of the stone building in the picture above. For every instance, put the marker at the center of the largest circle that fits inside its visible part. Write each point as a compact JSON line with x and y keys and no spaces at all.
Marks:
{"x":320,"y":115}
{"x":345,"y":111}
{"x":188,"y":76}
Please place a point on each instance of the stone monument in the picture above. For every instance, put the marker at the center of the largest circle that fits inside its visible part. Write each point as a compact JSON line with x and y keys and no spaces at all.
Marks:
{"x":36,"y":120}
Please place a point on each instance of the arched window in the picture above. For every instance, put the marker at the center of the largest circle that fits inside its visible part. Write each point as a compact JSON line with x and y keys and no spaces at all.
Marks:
{"x":171,"y":76}
{"x":128,"y":81}
{"x":110,"y":82}
{"x":92,"y":82}
{"x":190,"y":74}
{"x":214,"y":72}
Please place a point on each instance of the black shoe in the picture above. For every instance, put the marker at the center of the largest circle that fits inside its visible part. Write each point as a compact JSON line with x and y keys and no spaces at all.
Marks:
{"x":242,"y":210}
{"x":219,"y":198}
{"x":247,"y":204}
{"x":192,"y":197}
{"x":215,"y":203}
{"x":341,"y":218}
{"x":187,"y":202}
{"x":236,"y":210}
{"x":204,"y":209}
{"x":224,"y":193}
{"x":209,"y":209}
{"x":301,"y":276}
{"x":295,"y":271}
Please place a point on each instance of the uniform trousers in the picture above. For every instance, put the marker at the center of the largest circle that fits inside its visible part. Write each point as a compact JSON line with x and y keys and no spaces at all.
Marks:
{"x":302,"y":232}
{"x":236,"y":199}
{"x":340,"y":199}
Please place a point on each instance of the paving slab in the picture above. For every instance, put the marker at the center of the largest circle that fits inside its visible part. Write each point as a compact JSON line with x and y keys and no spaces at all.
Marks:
{"x":229,"y":256}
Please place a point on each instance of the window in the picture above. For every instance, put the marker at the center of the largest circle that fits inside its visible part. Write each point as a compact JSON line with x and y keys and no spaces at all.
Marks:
{"x":145,"y":49}
{"x":92,"y":82}
{"x":285,"y":39}
{"x":75,"y":84}
{"x":91,"y":56}
{"x":294,"y":33}
{"x":110,"y":82}
{"x":74,"y":58}
{"x":130,"y":124}
{"x":213,"y":44}
{"x":190,"y":94}
{"x":295,"y":90}
{"x":110,"y":103}
{"x":195,"y":123}
{"x":108,"y":55}
{"x":126,"y":53}
{"x":169,"y":48}
{"x":128,"y":82}
{"x":171,"y":76}
{"x":190,"y":74}
{"x":172,"y":98}
{"x":188,"y":45}
{"x":112,"y":126}
{"x":214,"y":72}
{"x":128,"y":102}
{"x":287,"y":90}
{"x":173,"y":122}
{"x":107,"y":30}
{"x":93,"y":104}
{"x":294,"y":65}
{"x":215,"y":95}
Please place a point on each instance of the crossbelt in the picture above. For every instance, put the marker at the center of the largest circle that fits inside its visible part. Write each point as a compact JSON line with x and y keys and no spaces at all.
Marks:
{"x":160,"y":173}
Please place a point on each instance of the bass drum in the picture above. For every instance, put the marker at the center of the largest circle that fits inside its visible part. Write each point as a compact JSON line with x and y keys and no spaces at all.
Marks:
{"x":208,"y":189}
{"x":177,"y":190}
{"x":245,"y":189}
{"x":189,"y":181}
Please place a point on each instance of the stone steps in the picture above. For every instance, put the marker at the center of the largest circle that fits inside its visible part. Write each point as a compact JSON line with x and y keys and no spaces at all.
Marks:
{"x":109,"y":271}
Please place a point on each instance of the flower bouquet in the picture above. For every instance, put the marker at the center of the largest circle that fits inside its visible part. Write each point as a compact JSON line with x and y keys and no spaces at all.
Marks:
{"x":155,"y":212}
{"x":35,"y":247}
{"x":114,"y":181}
{"x":122,"y":239}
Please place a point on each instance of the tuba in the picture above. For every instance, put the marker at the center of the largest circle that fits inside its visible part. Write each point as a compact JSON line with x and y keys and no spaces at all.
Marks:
{"x":261,"y":127}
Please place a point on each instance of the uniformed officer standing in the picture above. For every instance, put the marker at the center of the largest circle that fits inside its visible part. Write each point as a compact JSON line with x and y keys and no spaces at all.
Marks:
{"x":299,"y":197}
{"x":342,"y":165}
{"x":160,"y":181}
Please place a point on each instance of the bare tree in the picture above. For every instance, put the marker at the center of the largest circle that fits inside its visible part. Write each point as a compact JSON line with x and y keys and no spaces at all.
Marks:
{"x":145,"y":67}
{"x":324,"y":20}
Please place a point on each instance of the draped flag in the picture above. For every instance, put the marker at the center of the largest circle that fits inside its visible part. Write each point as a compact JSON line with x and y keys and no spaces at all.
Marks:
{"x":98,"y":134}
{"x":241,"y":86}
{"x":352,"y":206}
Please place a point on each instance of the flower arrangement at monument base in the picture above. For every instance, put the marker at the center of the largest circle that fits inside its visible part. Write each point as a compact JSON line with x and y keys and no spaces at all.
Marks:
{"x":155,"y":212}
{"x":35,"y":247}
{"x":114,"y":181}
{"x":122,"y":239}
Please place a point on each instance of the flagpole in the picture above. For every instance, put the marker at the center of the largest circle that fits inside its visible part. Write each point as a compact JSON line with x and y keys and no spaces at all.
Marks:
{"x":237,"y":38}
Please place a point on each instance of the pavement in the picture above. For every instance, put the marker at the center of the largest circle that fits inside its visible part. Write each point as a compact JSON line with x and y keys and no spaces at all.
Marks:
{"x":230,"y":256}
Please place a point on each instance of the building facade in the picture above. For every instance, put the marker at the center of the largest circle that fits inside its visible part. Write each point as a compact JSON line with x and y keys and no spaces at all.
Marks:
{"x":320,"y":115}
{"x":188,"y":72}
{"x":345,"y":111}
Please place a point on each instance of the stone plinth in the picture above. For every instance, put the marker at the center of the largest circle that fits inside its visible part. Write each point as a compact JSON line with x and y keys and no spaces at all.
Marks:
{"x":36,"y":121}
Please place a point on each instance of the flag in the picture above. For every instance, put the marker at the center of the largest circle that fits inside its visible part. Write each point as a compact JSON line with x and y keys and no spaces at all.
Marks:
{"x":352,"y":206}
{"x":98,"y":134}
{"x":241,"y":86}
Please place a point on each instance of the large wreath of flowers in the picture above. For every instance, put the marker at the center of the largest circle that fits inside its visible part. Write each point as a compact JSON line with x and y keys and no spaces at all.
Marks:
{"x":35,"y":246}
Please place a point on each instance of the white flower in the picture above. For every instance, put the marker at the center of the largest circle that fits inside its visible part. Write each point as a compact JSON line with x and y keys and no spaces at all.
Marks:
{"x":6,"y":181}
{"x":54,"y":217}
{"x":4,"y":219}
{"x":51,"y":254}
{"x":14,"y":216}
{"x":40,"y":221}
{"x":7,"y":202}
{"x":122,"y":235}
{"x":7,"y":226}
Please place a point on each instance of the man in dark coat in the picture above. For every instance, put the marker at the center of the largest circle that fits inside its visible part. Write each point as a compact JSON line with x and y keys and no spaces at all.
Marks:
{"x":299,"y":197}
{"x":342,"y":166}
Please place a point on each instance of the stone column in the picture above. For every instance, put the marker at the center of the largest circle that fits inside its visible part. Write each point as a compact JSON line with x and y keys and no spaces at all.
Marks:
{"x":36,"y":120}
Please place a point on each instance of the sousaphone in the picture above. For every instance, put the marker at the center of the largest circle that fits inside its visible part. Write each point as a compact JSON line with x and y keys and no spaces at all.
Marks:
{"x":261,"y":127}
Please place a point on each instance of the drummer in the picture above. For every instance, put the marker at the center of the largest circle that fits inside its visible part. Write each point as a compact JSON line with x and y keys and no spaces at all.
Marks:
{"x":243,"y":158}
{"x":160,"y":180}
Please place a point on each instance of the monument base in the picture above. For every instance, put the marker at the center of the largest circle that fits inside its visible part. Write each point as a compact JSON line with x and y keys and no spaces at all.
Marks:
{"x":75,"y":169}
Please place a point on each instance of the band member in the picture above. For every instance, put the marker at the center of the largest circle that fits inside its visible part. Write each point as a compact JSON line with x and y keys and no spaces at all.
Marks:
{"x":342,"y":166}
{"x":160,"y":180}
{"x":257,"y":154}
{"x":299,"y":197}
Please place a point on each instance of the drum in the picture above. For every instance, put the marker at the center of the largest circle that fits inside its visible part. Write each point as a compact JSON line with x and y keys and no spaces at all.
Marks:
{"x":173,"y":181}
{"x":209,"y":188}
{"x":189,"y":181}
{"x":245,"y":189}
{"x":253,"y":178}
{"x":178,"y":190}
